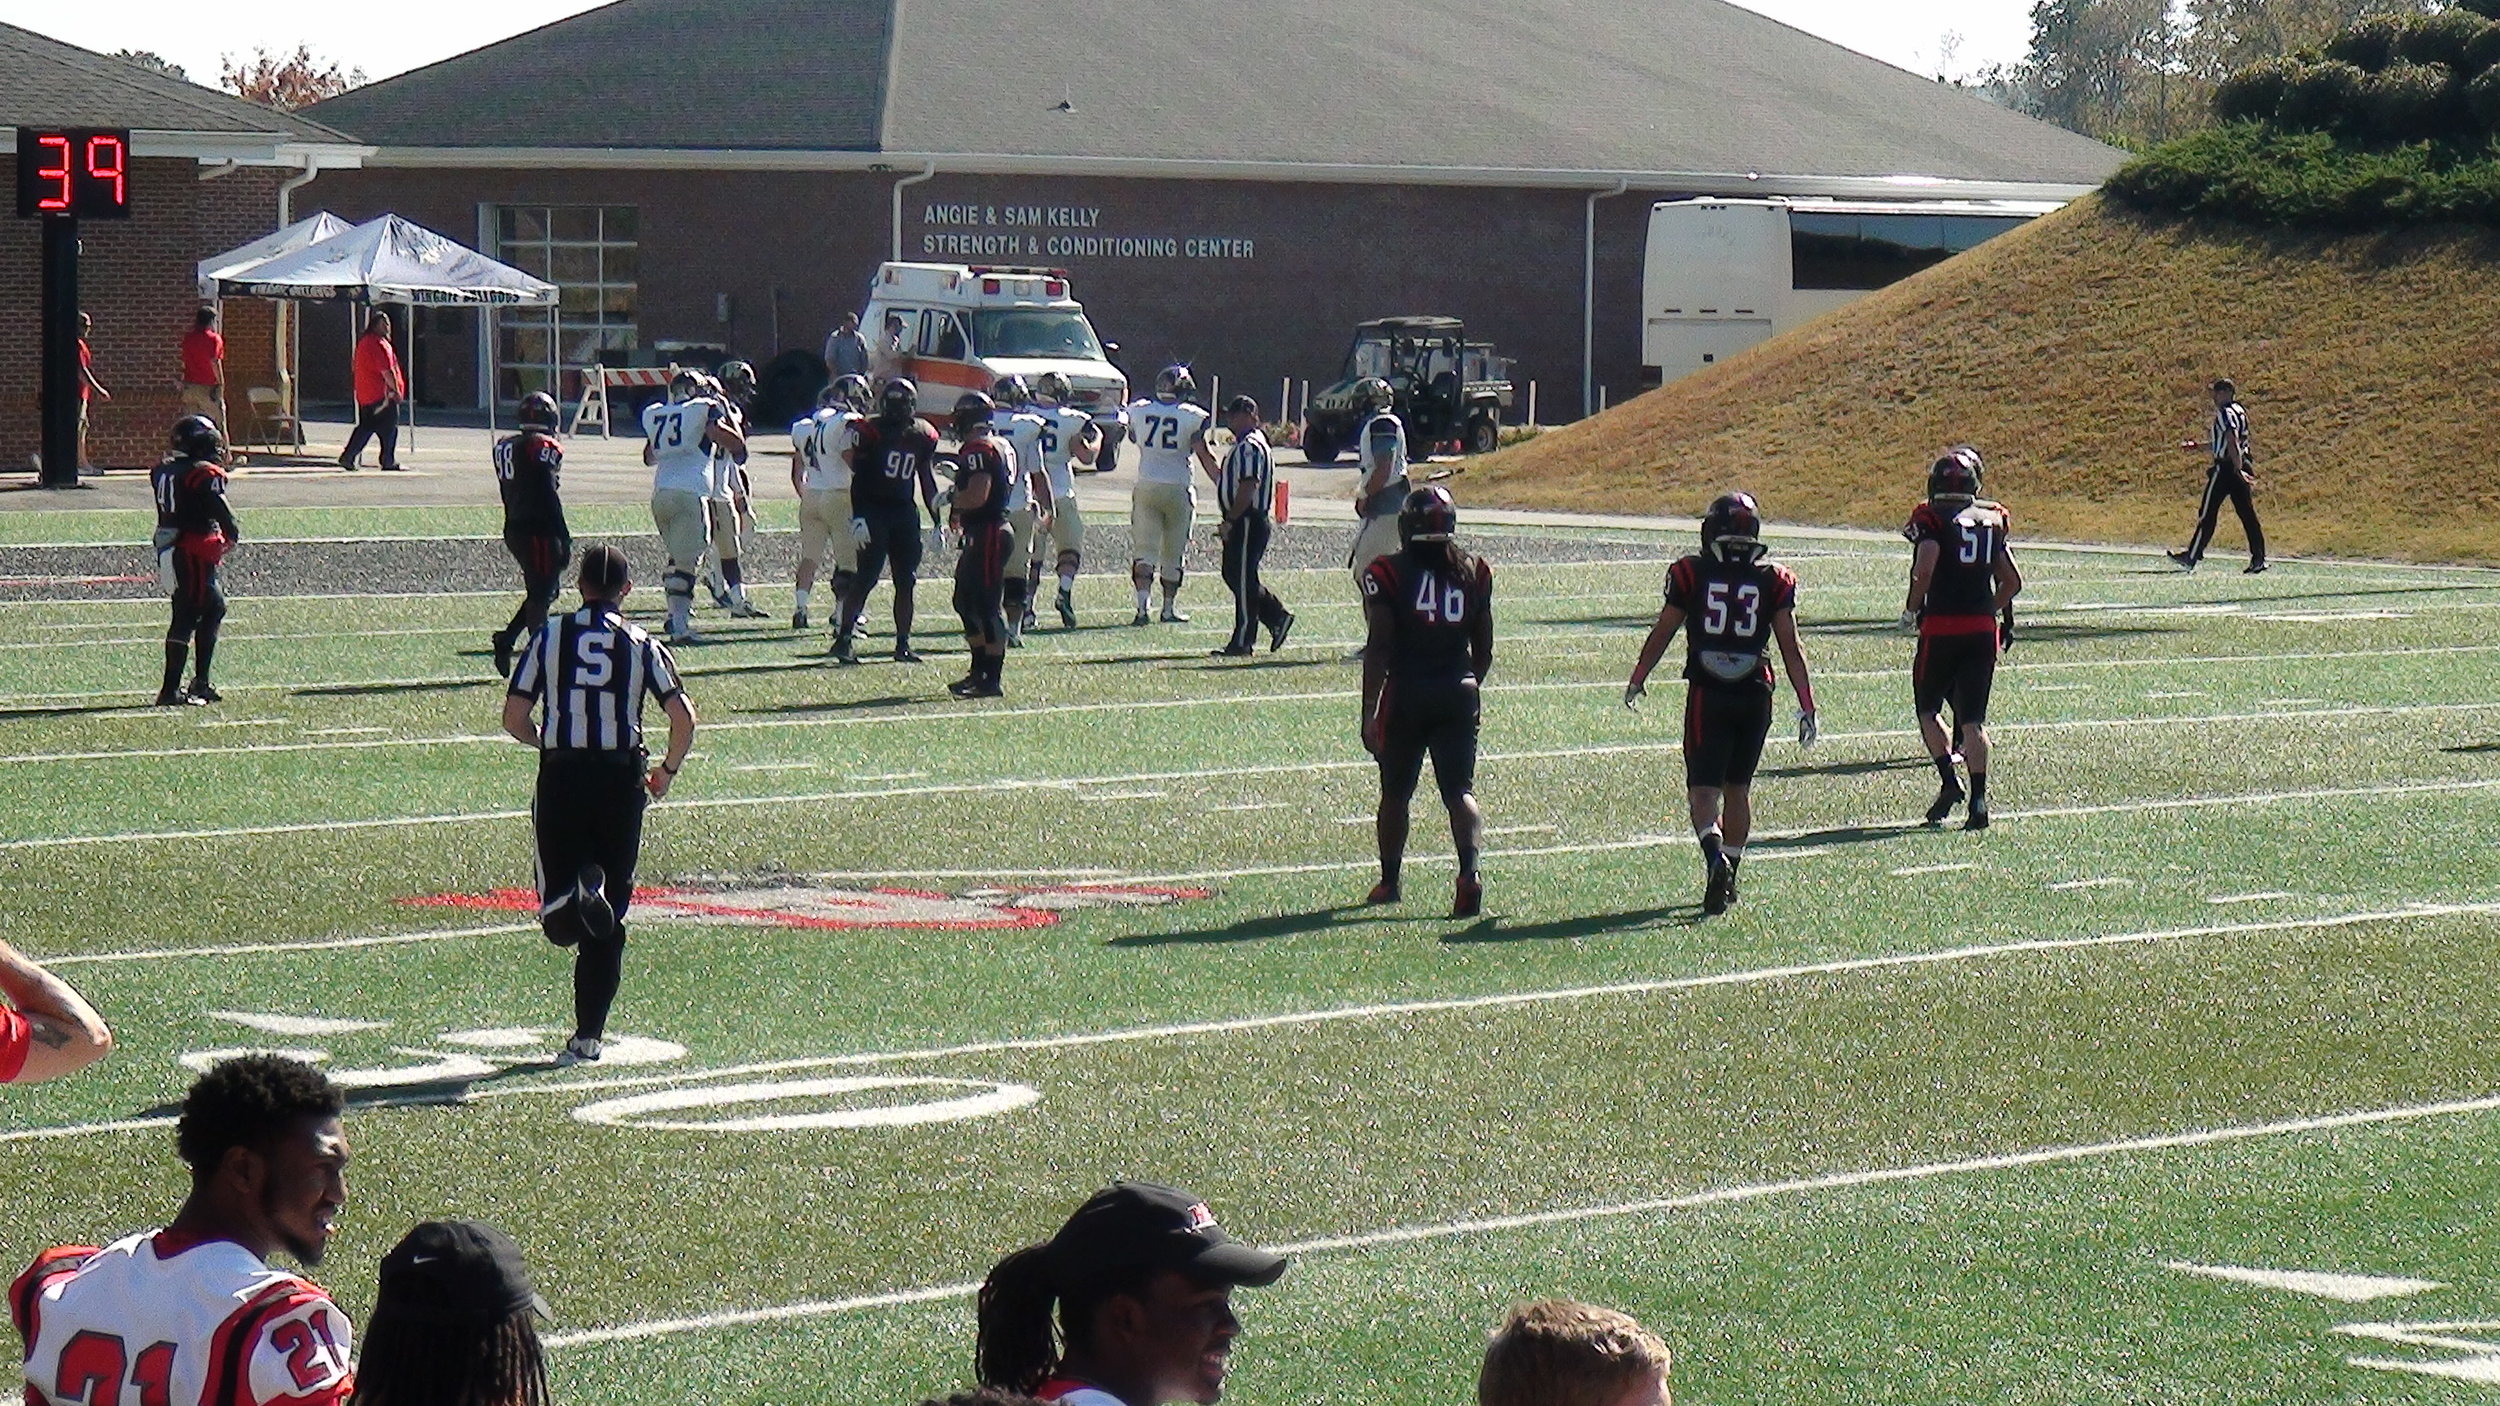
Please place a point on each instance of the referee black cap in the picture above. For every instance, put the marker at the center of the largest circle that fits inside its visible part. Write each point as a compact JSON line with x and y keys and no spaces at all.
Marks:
{"x":1241,"y":405}
{"x":604,"y":571}
{"x":1137,"y":1225}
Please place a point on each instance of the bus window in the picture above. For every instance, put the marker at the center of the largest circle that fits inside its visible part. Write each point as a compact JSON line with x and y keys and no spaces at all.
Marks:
{"x":1858,"y":252}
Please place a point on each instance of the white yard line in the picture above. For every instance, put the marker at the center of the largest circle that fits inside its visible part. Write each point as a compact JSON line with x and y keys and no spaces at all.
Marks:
{"x":254,"y":949}
{"x":1617,"y":1210}
{"x":2073,"y":884}
{"x":2225,"y":899}
{"x":1917,"y":869}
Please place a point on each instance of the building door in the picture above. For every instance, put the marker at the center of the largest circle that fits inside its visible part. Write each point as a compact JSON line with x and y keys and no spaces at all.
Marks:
{"x":592,"y":254}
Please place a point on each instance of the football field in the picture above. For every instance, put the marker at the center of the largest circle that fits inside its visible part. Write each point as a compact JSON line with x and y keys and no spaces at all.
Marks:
{"x":1929,"y":1117}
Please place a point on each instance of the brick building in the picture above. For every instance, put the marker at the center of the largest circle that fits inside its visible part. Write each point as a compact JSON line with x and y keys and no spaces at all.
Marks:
{"x":1230,"y":184}
{"x":206,"y":175}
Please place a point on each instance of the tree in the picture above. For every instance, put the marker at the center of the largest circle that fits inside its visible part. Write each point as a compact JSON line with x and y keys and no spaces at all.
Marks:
{"x":289,"y":81}
{"x":158,"y":62}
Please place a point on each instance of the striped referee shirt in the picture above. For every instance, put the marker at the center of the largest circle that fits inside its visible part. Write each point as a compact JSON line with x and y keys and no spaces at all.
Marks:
{"x":2230,"y":428}
{"x":1247,"y":483}
{"x":590,"y":671}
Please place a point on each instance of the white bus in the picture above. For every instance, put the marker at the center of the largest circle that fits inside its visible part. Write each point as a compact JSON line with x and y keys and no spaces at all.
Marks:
{"x":1723,"y":274}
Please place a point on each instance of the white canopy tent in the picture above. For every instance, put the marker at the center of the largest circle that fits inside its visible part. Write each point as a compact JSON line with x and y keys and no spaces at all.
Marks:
{"x":311,"y":230}
{"x":390,"y":260}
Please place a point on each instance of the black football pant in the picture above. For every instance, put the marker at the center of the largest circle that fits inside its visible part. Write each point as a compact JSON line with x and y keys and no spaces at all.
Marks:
{"x":588,"y":810}
{"x":2223,"y":483}
{"x":199,"y":609}
{"x":377,"y":421}
{"x":542,"y":560}
{"x":1245,"y":546}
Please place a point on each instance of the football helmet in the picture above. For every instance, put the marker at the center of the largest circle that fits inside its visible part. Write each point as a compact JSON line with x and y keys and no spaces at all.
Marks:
{"x":1053,"y":386}
{"x":1430,"y":515}
{"x":1374,"y":395}
{"x":899,"y":401}
{"x":197,"y":437}
{"x":738,"y":378}
{"x":852,"y":391}
{"x":1012,"y":392}
{"x":539,"y":412}
{"x":686,"y":385}
{"x":1174,"y":383}
{"x":973,"y":412}
{"x":1732,"y":529}
{"x":1954,"y":478}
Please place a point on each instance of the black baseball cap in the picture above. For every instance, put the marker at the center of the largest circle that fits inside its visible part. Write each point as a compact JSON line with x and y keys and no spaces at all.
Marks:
{"x":1133,"y":1225}
{"x":456,"y":1271}
{"x":604,"y":569}
{"x":1241,"y":405}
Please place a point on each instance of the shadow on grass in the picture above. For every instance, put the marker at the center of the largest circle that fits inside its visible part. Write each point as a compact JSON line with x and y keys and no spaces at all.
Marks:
{"x":2462,"y":749}
{"x":1495,"y":929}
{"x":71,"y":710}
{"x":847,"y":705}
{"x":1843,"y":835}
{"x":1610,"y":622}
{"x":1261,"y":928}
{"x":1270,"y":662}
{"x":1850,"y":768}
{"x":362,"y":690}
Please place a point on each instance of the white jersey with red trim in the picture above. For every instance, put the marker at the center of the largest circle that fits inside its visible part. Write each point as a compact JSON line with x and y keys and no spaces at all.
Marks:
{"x":165,"y":1320}
{"x":1067,"y":1391}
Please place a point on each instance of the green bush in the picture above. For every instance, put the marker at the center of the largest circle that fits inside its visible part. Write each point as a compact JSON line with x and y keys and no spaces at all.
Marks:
{"x":2322,"y":97}
{"x":2405,"y":102}
{"x":2369,"y":45}
{"x":2482,"y":54}
{"x":2482,"y":98}
{"x":2255,"y":92}
{"x":2441,"y":38}
{"x":2255,"y":175}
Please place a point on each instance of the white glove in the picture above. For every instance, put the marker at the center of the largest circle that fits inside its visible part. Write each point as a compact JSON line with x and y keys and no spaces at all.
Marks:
{"x":1909,"y":622}
{"x":1632,"y":694}
{"x":1809,"y":727}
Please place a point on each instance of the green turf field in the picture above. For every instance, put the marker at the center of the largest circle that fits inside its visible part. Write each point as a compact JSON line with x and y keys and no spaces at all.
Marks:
{"x":1930,"y":1117}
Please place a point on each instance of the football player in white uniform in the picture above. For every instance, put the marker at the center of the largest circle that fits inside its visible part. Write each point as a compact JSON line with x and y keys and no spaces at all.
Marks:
{"x":194,"y":1312}
{"x":679,"y":437}
{"x":730,"y":511}
{"x":1030,"y":506}
{"x":1170,"y":431}
{"x":820,"y":473}
{"x":1070,"y":438}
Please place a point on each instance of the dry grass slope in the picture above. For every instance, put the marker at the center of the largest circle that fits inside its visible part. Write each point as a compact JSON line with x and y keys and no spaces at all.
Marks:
{"x":2075,"y":352}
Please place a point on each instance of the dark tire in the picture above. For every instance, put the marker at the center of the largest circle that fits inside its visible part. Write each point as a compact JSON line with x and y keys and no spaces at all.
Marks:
{"x":1483,"y":436}
{"x":1317,"y":446}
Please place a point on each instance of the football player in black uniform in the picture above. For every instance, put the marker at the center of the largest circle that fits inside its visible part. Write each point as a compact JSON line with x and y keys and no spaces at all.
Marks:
{"x":1961,"y":603}
{"x":1429,"y":611}
{"x":1734,"y":605}
{"x":527,"y":468}
{"x":194,"y":530}
{"x":894,"y":449}
{"x":983,"y":486}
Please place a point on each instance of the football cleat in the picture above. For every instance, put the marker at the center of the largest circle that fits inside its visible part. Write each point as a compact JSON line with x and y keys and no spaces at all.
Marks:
{"x":581,"y":1049}
{"x":1382,"y":892}
{"x":202,"y":693}
{"x":843,"y":651}
{"x":903,"y":654}
{"x":1468,"y":899}
{"x":1978,"y":817}
{"x":1714,"y":891}
{"x":1276,"y":633}
{"x":1232,"y":652}
{"x":1172,"y":615}
{"x":2181,"y":560}
{"x":590,"y":900}
{"x":684,"y":637}
{"x":1947,"y":797}
{"x":2252,"y":568}
{"x":176,"y":698}
{"x":1141,"y":619}
{"x":1067,"y":611}
{"x":746,"y":610}
{"x":798,"y":619}
{"x":975,"y":686}
{"x":720,"y":593}
{"x":1731,"y":882}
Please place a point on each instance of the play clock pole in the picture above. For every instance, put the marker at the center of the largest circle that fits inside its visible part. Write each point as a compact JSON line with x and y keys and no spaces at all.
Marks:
{"x":62,"y":174}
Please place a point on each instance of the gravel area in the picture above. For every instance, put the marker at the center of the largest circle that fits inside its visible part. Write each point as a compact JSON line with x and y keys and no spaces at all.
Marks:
{"x":473,"y":564}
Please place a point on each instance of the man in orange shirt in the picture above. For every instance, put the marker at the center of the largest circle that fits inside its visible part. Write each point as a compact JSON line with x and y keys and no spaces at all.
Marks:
{"x":378,"y":391}
{"x":89,"y":388}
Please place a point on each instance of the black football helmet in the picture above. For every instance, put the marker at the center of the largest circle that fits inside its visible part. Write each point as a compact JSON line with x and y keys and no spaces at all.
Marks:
{"x":1954,"y":478}
{"x":899,"y":401}
{"x":1430,"y":515}
{"x":1374,"y":394}
{"x":1014,"y":392}
{"x":973,"y":413}
{"x":851,"y":391}
{"x":738,"y":378}
{"x":1054,"y":387}
{"x":197,"y":437}
{"x":539,"y":412}
{"x":1174,"y":384}
{"x":1732,"y":529}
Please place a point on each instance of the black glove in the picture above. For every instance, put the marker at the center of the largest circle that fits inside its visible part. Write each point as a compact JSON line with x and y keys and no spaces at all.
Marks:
{"x":2005,"y":631}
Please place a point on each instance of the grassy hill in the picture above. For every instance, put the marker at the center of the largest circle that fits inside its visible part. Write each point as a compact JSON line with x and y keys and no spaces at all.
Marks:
{"x":2075,"y":352}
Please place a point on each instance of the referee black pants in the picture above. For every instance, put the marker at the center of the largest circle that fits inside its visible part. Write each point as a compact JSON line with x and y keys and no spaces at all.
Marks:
{"x":588,"y":810}
{"x":2226,"y":482}
{"x":1245,"y":546}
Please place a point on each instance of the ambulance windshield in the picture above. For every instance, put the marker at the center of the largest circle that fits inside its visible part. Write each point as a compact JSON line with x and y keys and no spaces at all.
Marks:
{"x":1034,"y":332}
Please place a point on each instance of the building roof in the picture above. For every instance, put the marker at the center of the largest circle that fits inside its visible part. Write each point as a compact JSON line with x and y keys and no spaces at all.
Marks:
{"x":44,"y":82}
{"x":1625,"y":86}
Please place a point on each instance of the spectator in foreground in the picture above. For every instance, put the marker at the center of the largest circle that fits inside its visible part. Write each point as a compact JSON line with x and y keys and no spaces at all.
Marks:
{"x":455,"y":1323}
{"x":1555,"y":1352}
{"x":379,"y":388}
{"x":846,"y":351}
{"x":1142,"y":1279}
{"x":47,"y":1029}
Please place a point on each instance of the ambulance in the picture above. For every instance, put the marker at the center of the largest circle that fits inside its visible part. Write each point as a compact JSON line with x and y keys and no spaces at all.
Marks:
{"x":965,"y":327}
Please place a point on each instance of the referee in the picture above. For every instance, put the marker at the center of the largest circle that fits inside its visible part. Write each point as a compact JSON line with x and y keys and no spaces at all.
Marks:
{"x":1245,"y":492}
{"x":591,"y":670}
{"x":2231,"y":476}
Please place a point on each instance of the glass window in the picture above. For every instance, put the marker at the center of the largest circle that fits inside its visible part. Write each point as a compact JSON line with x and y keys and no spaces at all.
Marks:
{"x":1857,"y":252}
{"x":1034,"y":332}
{"x":574,"y":223}
{"x":589,"y":253}
{"x":574,"y":266}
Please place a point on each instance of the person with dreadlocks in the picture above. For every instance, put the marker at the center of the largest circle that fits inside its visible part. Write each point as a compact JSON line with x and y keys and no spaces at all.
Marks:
{"x":1736,"y":604}
{"x":455,"y":1323}
{"x":194,"y":1312}
{"x":1140,"y":1284}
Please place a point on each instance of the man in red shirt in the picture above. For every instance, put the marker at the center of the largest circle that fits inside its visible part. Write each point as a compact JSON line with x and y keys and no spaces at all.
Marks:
{"x":378,"y":391}
{"x":46,"y":1029}
{"x":89,"y":387}
{"x":204,"y":368}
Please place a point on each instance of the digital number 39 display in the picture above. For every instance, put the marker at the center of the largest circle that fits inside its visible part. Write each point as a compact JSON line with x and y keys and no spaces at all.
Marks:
{"x":82,"y":171}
